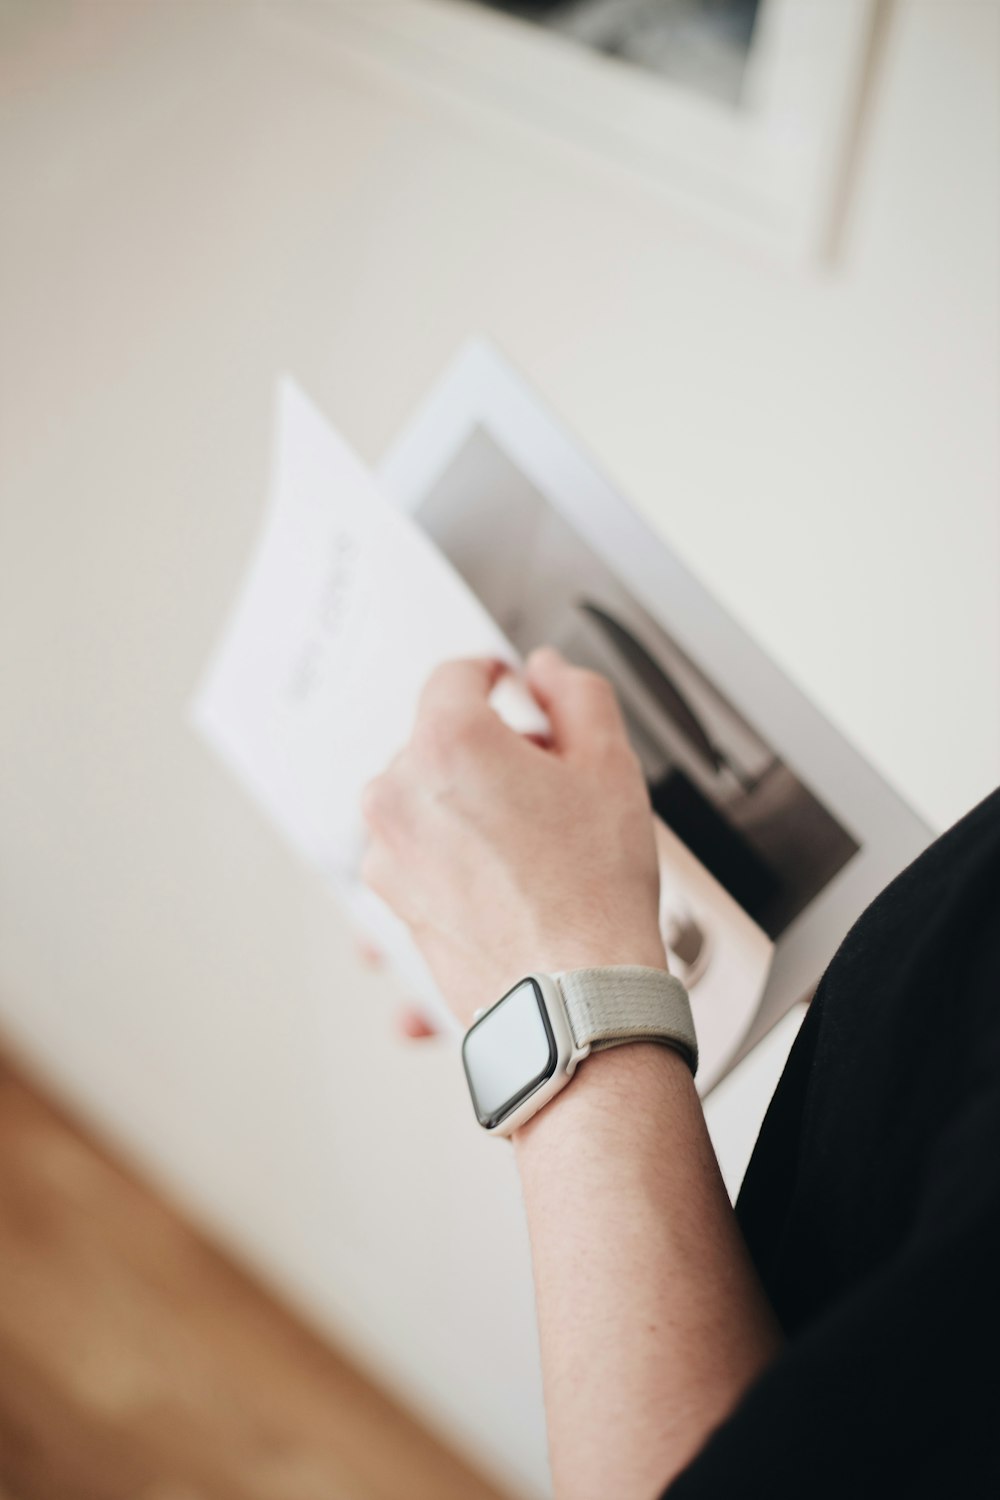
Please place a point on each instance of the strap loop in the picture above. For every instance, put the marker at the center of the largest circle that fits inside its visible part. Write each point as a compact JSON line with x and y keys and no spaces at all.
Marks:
{"x":629,"y":1003}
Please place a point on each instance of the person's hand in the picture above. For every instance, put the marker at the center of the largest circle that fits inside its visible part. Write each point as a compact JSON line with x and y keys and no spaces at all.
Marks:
{"x":505,"y":857}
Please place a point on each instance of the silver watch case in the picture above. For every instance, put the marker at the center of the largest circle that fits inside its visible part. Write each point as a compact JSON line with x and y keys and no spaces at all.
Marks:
{"x":565,"y":1055}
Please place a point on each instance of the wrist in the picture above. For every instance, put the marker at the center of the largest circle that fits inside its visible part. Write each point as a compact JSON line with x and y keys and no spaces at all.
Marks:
{"x":589,"y":951}
{"x":614,"y":1094}
{"x":521,"y":1052}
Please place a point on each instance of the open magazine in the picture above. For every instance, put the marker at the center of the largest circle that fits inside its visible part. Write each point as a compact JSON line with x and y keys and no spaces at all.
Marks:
{"x":486,"y":533}
{"x":346,"y":607}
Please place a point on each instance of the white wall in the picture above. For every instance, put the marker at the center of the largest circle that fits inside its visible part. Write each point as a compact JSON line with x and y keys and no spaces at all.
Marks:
{"x":194,"y":197}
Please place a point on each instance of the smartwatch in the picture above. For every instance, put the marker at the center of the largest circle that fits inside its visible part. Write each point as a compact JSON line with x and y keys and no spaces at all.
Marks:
{"x":523,"y":1050}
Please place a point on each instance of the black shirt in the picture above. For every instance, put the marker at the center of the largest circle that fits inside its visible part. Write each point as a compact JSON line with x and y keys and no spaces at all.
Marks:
{"x":871,"y":1207}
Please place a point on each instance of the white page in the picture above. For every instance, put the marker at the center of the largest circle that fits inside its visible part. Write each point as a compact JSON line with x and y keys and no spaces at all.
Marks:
{"x":345,"y":610}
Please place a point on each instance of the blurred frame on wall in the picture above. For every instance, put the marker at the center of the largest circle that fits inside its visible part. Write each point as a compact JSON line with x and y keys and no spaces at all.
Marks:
{"x":742,"y":111}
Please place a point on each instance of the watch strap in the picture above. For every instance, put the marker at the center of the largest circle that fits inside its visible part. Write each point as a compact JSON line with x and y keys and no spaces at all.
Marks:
{"x":608,"y":1007}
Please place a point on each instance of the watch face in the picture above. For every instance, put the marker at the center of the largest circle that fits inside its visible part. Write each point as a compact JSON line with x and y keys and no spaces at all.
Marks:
{"x":509,"y":1053}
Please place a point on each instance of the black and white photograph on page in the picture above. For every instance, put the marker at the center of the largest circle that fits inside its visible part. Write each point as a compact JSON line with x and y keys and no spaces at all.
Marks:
{"x":713,"y":780}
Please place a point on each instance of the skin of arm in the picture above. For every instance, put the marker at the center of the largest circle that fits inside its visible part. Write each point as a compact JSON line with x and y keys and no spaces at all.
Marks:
{"x":506,"y":857}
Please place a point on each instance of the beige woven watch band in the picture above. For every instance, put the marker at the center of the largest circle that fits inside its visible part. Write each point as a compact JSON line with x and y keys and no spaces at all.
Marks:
{"x":628,"y":1003}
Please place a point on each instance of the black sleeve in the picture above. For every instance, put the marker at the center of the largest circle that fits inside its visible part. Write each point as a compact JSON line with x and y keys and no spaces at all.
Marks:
{"x":894,"y":1389}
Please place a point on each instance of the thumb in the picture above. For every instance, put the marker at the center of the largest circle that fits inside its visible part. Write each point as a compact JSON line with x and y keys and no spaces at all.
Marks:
{"x":462,"y":686}
{"x":581,"y":705}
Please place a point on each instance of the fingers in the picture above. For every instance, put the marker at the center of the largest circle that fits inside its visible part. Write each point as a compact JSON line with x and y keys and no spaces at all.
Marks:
{"x":455,"y":729}
{"x":411,"y":1024}
{"x":456,"y":726}
{"x":456,"y":689}
{"x":581,"y":705}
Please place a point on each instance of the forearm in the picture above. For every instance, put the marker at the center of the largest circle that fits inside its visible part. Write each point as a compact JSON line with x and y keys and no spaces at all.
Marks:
{"x":505,"y":858}
{"x":651,"y":1317}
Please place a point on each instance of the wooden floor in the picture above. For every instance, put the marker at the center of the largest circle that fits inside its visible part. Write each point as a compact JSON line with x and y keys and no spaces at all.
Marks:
{"x":137,"y":1364}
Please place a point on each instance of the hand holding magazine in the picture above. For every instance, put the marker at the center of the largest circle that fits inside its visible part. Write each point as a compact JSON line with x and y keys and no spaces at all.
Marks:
{"x":345,"y":610}
{"x":486,"y":533}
